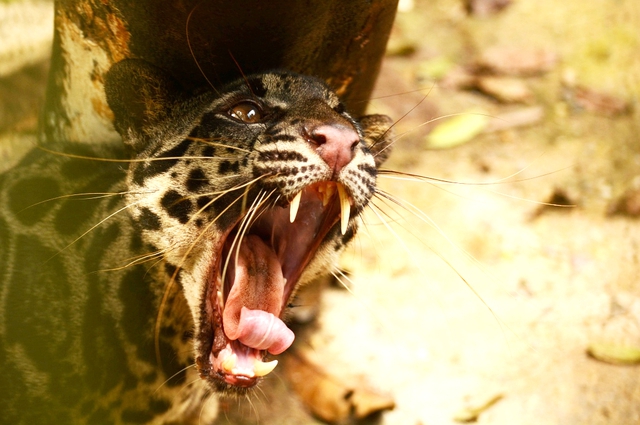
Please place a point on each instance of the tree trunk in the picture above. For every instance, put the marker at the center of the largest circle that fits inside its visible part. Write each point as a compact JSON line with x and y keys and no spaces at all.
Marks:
{"x":207,"y":42}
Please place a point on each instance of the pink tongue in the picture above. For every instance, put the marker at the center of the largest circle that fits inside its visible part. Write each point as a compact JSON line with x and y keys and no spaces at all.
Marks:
{"x":253,"y":305}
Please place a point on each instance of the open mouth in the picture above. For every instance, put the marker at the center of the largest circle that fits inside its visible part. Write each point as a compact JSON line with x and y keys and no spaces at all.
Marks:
{"x":254,"y":276}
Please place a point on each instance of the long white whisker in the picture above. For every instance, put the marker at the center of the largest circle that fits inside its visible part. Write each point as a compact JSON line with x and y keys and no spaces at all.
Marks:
{"x":221,"y":145}
{"x":441,"y":117}
{"x":243,"y":226}
{"x":184,"y":257}
{"x":173,"y":376}
{"x":399,"y":120}
{"x":254,"y":408}
{"x":140,"y":259}
{"x":362,"y":303}
{"x":209,"y":397}
{"x":92,"y":228}
{"x":422,"y":216}
{"x":428,"y":220}
{"x":142,"y":160}
{"x":221,"y":194}
{"x":89,"y":196}
{"x":437,"y":183}
{"x":400,"y":175}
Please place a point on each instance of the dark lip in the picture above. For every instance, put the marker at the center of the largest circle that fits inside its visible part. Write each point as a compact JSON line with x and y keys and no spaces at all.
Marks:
{"x":211,"y":338}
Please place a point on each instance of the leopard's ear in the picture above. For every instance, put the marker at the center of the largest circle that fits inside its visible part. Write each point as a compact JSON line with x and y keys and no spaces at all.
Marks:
{"x":378,"y":136}
{"x":146,"y":102}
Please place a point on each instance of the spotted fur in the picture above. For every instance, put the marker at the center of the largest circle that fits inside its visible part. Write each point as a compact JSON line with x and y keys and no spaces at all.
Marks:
{"x":96,"y":253}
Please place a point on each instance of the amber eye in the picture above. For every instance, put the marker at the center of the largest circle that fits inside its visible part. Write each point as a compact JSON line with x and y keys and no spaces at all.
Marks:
{"x":247,"y":112}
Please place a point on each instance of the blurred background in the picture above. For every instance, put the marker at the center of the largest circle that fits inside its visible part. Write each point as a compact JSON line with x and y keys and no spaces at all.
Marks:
{"x":504,"y":287}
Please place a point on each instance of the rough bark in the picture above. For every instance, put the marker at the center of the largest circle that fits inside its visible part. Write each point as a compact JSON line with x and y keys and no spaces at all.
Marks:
{"x":207,"y":42}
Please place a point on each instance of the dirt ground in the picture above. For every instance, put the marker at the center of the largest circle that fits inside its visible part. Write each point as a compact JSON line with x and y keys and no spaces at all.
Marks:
{"x":469,"y":293}
{"x":487,"y":294}
{"x":473,"y":300}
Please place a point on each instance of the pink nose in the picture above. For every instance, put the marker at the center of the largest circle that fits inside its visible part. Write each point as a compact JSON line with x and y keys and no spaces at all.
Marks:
{"x":335,"y":143}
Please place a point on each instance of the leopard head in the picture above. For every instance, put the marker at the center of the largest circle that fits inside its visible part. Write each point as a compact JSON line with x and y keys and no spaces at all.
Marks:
{"x":248,"y":192}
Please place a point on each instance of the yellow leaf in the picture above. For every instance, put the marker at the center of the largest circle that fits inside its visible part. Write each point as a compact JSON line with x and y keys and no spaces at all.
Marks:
{"x":457,"y":130}
{"x":615,"y":354}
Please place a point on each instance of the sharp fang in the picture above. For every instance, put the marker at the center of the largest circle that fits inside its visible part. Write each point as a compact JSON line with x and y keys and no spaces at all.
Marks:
{"x":229,"y":363}
{"x":295,"y":204}
{"x":262,"y":368}
{"x":345,"y":208}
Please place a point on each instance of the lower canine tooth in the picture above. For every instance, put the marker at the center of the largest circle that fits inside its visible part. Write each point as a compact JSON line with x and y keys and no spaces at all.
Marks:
{"x":295,"y":204}
{"x":230,"y":362}
{"x":345,"y":208}
{"x":262,"y":368}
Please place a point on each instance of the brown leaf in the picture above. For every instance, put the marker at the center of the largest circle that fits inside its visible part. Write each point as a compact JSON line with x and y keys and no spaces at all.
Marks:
{"x":628,"y":204}
{"x":484,"y":8}
{"x":458,"y":78}
{"x":516,"y":61}
{"x":367,"y":402}
{"x":505,"y":89}
{"x":597,"y":102}
{"x":521,"y":117}
{"x":332,"y":399}
{"x":559,"y":201}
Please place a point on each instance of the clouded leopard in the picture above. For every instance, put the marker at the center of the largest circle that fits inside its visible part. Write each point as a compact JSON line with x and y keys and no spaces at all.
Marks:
{"x":136,"y":281}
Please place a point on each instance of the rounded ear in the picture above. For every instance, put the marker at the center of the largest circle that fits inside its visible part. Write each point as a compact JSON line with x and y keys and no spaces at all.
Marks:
{"x":378,"y":136}
{"x":142,"y":98}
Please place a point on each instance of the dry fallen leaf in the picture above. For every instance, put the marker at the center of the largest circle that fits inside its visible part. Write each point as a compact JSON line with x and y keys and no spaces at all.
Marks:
{"x":597,"y":102}
{"x":456,"y":78}
{"x":615,"y":353}
{"x":505,"y":89}
{"x":559,"y":201}
{"x":329,"y":398}
{"x":516,"y":118}
{"x":399,"y":47}
{"x":457,"y":130}
{"x":484,"y":8}
{"x":517,"y":61}
{"x":628,"y":204}
{"x":471,"y":413}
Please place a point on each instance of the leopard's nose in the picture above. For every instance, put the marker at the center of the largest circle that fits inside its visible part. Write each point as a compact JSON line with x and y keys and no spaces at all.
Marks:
{"x":335,"y":143}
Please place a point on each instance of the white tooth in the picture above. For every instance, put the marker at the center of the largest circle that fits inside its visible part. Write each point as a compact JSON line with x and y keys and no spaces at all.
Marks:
{"x":230,"y":362}
{"x":345,"y":208}
{"x":295,"y":204}
{"x":262,"y":368}
{"x":329,"y":191}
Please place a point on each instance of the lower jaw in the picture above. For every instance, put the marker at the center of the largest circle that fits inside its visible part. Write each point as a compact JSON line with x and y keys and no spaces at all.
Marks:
{"x":239,"y":383}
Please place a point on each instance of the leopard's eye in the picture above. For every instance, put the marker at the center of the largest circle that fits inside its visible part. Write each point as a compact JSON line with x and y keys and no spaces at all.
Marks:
{"x":247,"y":112}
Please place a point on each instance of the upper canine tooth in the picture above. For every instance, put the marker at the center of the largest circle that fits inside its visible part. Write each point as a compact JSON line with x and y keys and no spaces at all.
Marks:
{"x":295,"y":204}
{"x":262,"y":368}
{"x":345,"y":208}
